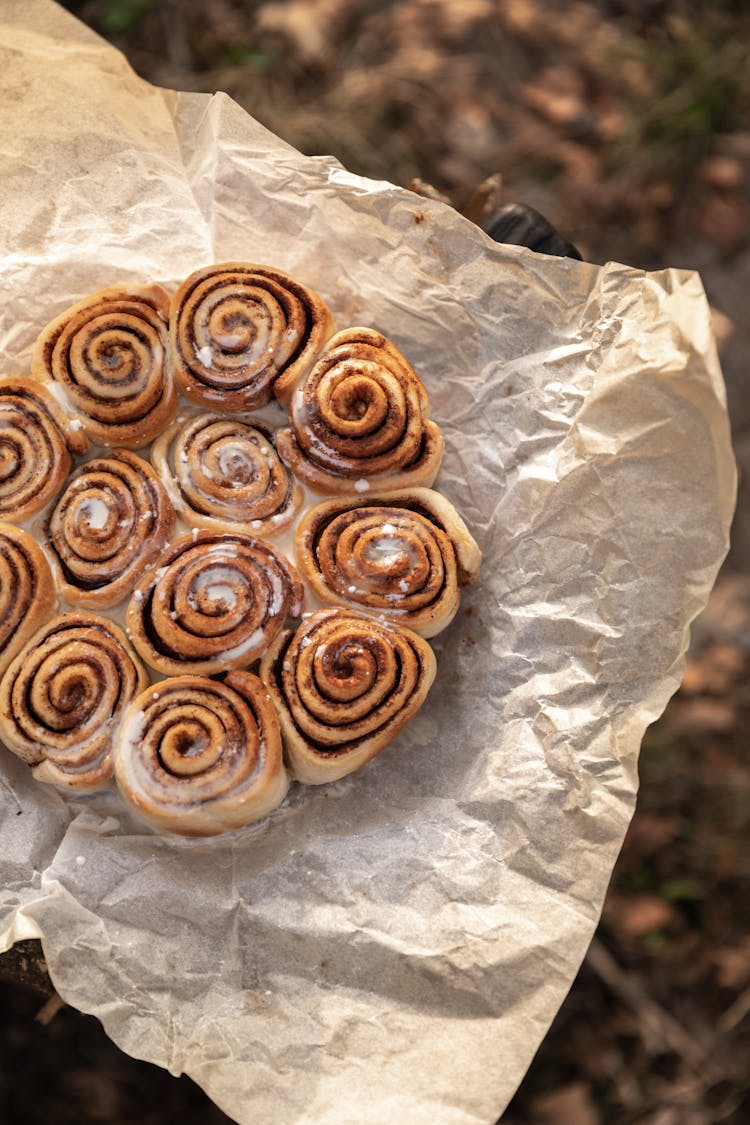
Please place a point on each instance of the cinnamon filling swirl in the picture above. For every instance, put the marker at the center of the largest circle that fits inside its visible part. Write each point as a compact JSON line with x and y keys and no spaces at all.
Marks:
{"x":402,"y":556}
{"x":27,"y":591}
{"x":200,"y":757}
{"x":63,"y":698}
{"x":361,"y":420}
{"x":224,"y":474}
{"x":344,"y":685}
{"x":242,"y":333}
{"x":36,"y":442}
{"x":109,"y":525}
{"x":214,"y":602}
{"x":107,"y":354}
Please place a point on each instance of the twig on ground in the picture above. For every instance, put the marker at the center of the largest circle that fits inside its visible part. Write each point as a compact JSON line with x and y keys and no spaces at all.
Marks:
{"x":485,"y":199}
{"x":49,"y":1009}
{"x":175,"y":33}
{"x":737,"y":1011}
{"x":427,"y":191}
{"x":655,"y":1024}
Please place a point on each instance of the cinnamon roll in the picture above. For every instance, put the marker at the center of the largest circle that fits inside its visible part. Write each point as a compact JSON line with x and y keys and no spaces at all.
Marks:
{"x":224,"y":474}
{"x":107,"y":355}
{"x":361,"y":420}
{"x":215,"y":602}
{"x":64,"y":696}
{"x":27,"y":590}
{"x":199,"y":757}
{"x":36,"y":441}
{"x":242,"y":333}
{"x":344,"y":686}
{"x":402,"y":556}
{"x":112,"y":520}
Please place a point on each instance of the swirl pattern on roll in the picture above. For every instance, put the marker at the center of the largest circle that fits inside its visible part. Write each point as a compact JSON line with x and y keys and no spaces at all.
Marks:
{"x":344,"y":685}
{"x":224,"y":474}
{"x":361,"y":420}
{"x":64,"y":696}
{"x":401,"y":556}
{"x":110,"y":523}
{"x":27,"y":590}
{"x":242,"y":333}
{"x":215,"y":602}
{"x":199,"y":757}
{"x":107,"y":354}
{"x":36,"y":442}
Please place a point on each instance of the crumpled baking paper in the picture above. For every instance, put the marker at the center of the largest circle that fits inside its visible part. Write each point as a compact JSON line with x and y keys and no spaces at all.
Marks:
{"x":394,"y":946}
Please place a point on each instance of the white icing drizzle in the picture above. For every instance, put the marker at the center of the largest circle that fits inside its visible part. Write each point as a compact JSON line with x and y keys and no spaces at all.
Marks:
{"x":94,"y":511}
{"x":385,"y":551}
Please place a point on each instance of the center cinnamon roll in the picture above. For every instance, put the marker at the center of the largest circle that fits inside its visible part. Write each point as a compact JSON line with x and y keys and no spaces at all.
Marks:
{"x":224,"y":474}
{"x":214,"y":602}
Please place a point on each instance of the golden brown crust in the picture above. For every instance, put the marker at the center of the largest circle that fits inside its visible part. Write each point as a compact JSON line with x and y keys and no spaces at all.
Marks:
{"x":36,"y":442}
{"x":111,"y":522}
{"x":27,"y":591}
{"x":64,"y":696}
{"x":401,"y":556}
{"x":199,"y":757}
{"x":224,"y":475}
{"x":242,"y":333}
{"x":360,"y":421}
{"x":344,"y":686}
{"x":107,"y":355}
{"x":214,"y":602}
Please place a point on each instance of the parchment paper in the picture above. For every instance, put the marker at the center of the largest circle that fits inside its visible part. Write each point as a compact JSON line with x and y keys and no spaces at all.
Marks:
{"x":392,"y":947}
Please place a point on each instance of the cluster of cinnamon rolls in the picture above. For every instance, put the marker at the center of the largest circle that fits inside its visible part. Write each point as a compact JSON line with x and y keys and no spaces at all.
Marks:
{"x":237,"y":603}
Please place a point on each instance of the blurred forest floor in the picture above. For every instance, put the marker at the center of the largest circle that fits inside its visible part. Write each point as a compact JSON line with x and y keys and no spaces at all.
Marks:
{"x":626,"y":123}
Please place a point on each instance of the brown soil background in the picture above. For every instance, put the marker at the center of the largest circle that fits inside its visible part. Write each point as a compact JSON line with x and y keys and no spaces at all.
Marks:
{"x":625,"y":122}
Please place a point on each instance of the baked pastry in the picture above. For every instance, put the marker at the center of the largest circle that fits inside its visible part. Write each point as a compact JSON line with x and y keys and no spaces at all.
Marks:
{"x":107,"y":356}
{"x":36,"y":442}
{"x":224,"y":474}
{"x":360,"y":420}
{"x":195,"y":755}
{"x":27,"y":590}
{"x":63,"y":698}
{"x":242,"y":333}
{"x":110,"y":523}
{"x":344,"y":686}
{"x":200,"y":757}
{"x":214,"y":602}
{"x":402,"y":556}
